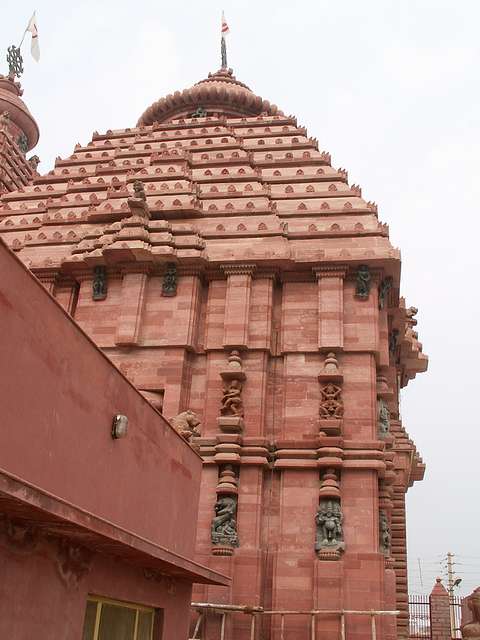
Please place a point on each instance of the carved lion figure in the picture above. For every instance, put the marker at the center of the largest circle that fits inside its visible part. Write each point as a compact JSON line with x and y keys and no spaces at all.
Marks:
{"x":472,"y":628}
{"x":186,"y":424}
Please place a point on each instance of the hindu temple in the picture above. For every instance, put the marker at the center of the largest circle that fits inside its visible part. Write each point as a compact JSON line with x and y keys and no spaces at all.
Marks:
{"x":252,"y":295}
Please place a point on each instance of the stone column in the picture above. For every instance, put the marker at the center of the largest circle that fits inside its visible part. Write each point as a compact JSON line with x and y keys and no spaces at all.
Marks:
{"x":132,"y":304}
{"x":440,"y":613}
{"x":237,"y":305}
{"x":330,"y":307}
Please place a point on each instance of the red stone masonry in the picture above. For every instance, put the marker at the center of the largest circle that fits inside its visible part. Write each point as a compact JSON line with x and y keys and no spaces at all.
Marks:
{"x":267,"y":238}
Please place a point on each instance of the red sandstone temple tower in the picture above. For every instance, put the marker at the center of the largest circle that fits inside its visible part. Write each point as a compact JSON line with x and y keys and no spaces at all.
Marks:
{"x":231,"y":272}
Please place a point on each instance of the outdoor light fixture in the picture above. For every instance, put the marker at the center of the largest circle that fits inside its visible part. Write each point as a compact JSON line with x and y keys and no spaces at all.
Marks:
{"x":119,"y":426}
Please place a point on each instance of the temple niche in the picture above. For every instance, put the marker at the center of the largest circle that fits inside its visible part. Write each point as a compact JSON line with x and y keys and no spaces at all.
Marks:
{"x":229,"y":269}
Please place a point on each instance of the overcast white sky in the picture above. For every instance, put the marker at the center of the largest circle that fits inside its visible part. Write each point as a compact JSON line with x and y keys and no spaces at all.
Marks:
{"x":391,"y":89}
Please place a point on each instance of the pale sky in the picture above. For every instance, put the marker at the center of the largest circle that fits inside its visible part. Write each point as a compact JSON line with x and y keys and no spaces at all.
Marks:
{"x":391,"y":89}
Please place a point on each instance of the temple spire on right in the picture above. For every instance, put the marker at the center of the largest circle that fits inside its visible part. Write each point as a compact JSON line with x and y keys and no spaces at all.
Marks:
{"x":224,"y":31}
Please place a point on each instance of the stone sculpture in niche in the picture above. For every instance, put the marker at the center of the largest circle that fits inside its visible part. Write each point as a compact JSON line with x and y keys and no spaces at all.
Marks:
{"x":224,"y":523}
{"x":99,"y":284}
{"x":231,"y":406}
{"x":385,"y":536}
{"x":364,"y":278}
{"x":383,"y":290}
{"x":186,"y":424}
{"x":331,"y":404}
{"x":329,"y":525}
{"x":169,"y":285}
{"x":232,"y":403}
{"x":383,"y":418}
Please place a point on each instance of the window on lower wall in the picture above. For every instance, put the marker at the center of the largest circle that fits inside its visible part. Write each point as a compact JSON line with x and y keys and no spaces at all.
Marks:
{"x":110,"y":620}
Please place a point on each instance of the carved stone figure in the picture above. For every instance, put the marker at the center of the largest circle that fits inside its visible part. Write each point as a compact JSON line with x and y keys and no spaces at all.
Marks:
{"x":329,"y":524}
{"x":139,"y":190}
{"x":383,"y":417}
{"x":411,"y":312}
{"x":331,"y":405}
{"x":224,"y":523}
{"x":232,"y":403}
{"x":22,"y":142}
{"x":186,"y":424}
{"x":364,"y":278}
{"x":472,"y":628}
{"x":385,"y":536}
{"x":392,"y":341}
{"x":99,"y":284}
{"x":199,"y":113}
{"x":383,"y":290}
{"x":34,"y":161}
{"x":169,"y":285}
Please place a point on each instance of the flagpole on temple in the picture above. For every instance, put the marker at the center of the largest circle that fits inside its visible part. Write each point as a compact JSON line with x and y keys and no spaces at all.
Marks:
{"x":223,"y":44}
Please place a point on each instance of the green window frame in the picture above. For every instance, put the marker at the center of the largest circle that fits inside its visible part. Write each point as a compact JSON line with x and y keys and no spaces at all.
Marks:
{"x":138,"y":620}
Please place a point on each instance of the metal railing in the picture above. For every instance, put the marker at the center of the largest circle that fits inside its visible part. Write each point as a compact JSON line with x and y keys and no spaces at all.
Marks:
{"x":419,"y":616}
{"x":223,"y":610}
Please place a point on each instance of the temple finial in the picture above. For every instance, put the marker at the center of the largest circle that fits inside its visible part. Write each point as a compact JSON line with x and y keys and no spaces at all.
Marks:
{"x":15,"y":61}
{"x":223,"y":47}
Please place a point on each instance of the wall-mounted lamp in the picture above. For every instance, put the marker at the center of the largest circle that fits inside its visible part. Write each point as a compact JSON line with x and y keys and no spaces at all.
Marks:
{"x":119,"y":426}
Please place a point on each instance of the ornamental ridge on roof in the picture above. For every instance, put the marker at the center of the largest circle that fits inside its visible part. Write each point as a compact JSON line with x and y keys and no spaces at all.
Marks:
{"x":219,"y":94}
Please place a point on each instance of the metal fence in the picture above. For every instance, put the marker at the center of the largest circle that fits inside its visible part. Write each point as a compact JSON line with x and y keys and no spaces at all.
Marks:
{"x":224,"y":611}
{"x":456,"y":615}
{"x":419,"y":616}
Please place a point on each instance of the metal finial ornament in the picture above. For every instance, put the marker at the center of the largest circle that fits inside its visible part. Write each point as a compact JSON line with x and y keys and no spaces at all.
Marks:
{"x":224,"y":53}
{"x":15,"y":61}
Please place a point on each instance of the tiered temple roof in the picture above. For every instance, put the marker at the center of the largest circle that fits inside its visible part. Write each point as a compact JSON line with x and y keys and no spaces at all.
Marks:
{"x":227,"y":177}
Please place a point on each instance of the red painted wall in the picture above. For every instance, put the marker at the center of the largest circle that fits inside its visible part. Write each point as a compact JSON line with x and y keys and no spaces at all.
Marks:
{"x":59,"y":395}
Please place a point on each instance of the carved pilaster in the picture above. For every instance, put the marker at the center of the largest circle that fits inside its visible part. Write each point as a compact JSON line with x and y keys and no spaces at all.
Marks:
{"x":237,"y":304}
{"x":134,"y":284}
{"x":330,"y":306}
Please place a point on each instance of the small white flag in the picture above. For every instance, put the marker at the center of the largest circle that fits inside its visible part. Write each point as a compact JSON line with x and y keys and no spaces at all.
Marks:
{"x":225,"y":28}
{"x":32,"y":27}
